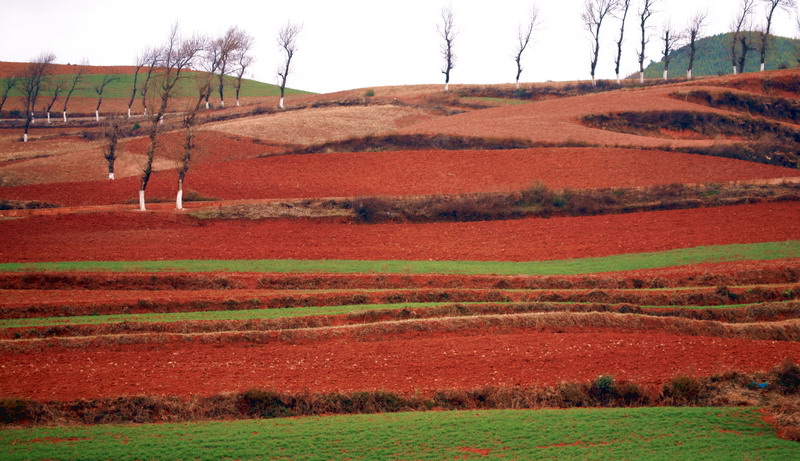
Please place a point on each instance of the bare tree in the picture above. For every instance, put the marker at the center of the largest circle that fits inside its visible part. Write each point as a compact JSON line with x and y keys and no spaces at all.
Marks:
{"x":77,"y":77}
{"x":287,"y":40}
{"x":694,"y":32}
{"x":31,"y":84}
{"x":772,"y":5}
{"x":8,"y":85}
{"x":243,"y":61}
{"x":594,"y":12}
{"x":174,"y":58}
{"x":524,"y":33}
{"x":624,"y":6}
{"x":797,"y":26}
{"x":99,"y":89}
{"x":670,"y":39}
{"x":55,"y":86}
{"x":203,"y":82}
{"x":448,"y":33}
{"x":111,"y":131}
{"x":153,"y":55}
{"x":141,"y":61}
{"x":738,"y":26}
{"x":644,"y":15}
{"x":223,"y":49}
{"x":745,"y":45}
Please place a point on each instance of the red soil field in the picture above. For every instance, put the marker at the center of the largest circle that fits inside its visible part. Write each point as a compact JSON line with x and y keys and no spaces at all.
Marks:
{"x":557,"y":120}
{"x":155,"y":236}
{"x":398,"y":173}
{"x":403,"y":363}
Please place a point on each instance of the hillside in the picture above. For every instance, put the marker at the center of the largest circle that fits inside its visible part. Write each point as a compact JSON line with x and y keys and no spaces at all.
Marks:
{"x":124,"y":75}
{"x":713,"y":56}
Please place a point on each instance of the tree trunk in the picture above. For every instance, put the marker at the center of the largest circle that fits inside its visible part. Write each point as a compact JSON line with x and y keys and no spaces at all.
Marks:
{"x":179,"y":197}
{"x":48,"y":117}
{"x":97,"y":116}
{"x":735,"y":70}
{"x":24,"y":137}
{"x":619,"y":82}
{"x":665,"y":74}
{"x":222,"y":103}
{"x":689,"y":74}
{"x":446,"y":87}
{"x":207,"y":105}
{"x":65,"y":116}
{"x":762,"y":67}
{"x":141,"y":200}
{"x":281,"y":103}
{"x":129,"y":112}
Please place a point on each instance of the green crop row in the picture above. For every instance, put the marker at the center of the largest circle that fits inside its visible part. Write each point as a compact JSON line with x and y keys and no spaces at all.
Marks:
{"x":618,"y":433}
{"x":624,"y":262}
{"x":261,"y":314}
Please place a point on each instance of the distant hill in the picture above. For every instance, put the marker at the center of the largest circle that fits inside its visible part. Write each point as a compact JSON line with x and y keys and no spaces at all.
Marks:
{"x":714,"y":57}
{"x":121,"y":87}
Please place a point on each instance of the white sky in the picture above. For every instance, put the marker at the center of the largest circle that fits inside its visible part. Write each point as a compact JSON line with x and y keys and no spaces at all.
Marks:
{"x":349,"y":44}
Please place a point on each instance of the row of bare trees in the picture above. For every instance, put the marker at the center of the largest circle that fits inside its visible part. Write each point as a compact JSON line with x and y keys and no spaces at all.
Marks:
{"x":596,"y":11}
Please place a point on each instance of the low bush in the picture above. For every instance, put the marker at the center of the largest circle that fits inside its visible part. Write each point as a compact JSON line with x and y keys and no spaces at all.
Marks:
{"x":768,"y":106}
{"x":704,"y":124}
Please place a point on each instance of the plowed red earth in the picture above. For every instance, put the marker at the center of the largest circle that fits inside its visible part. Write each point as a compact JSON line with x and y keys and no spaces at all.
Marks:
{"x":402,"y":173}
{"x":403,"y":363}
{"x":150,"y":236}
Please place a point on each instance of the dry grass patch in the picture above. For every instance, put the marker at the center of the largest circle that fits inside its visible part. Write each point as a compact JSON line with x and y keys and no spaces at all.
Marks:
{"x":315,"y":126}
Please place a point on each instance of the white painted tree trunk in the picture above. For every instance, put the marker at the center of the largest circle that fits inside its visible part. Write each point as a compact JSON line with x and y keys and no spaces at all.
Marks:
{"x":281,"y":103}
{"x":222,"y":103}
{"x":97,"y":116}
{"x":145,"y":112}
{"x":446,"y":87}
{"x":517,"y":85}
{"x":48,"y":118}
{"x":33,"y":119}
{"x":141,"y":201}
{"x":179,"y":199}
{"x":161,"y":120}
{"x":619,"y":82}
{"x":237,"y":103}
{"x":111,"y":176}
{"x":689,"y":74}
{"x":665,"y":74}
{"x":25,"y":137}
{"x":641,"y":77}
{"x":65,"y":116}
{"x":734,"y":70}
{"x":207,"y":105}
{"x":594,"y":82}
{"x":129,"y":112}
{"x":762,"y":67}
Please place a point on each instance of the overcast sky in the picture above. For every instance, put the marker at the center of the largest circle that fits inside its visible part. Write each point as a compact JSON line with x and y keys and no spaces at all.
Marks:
{"x":349,"y":44}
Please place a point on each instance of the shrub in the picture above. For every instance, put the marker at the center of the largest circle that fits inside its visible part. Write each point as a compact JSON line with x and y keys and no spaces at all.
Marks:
{"x":787,"y":376}
{"x":684,"y":390}
{"x":369,"y":93}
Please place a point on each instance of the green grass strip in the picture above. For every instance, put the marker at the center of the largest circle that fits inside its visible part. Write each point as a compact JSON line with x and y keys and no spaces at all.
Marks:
{"x":276,"y":313}
{"x":618,"y":433}
{"x":246,"y":314}
{"x":624,"y":262}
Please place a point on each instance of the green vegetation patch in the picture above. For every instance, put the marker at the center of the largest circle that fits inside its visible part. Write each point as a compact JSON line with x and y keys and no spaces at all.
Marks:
{"x":620,"y":433}
{"x":625,"y":262}
{"x":246,"y":314}
{"x":123,"y":83}
{"x":503,"y":101}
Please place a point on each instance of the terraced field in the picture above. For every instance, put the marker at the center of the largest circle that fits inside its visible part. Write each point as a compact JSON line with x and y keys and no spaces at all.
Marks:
{"x":645,"y":303}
